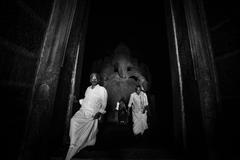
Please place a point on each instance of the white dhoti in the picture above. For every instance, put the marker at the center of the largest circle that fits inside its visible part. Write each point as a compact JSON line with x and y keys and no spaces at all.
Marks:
{"x":138,"y":102}
{"x":83,"y":127}
{"x":139,"y":122}
{"x":83,"y":131}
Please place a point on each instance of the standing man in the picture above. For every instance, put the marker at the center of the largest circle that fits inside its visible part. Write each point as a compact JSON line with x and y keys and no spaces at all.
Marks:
{"x":139,"y":103}
{"x":84,"y":123}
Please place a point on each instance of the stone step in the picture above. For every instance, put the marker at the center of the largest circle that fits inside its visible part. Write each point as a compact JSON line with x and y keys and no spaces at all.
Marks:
{"x":124,"y":154}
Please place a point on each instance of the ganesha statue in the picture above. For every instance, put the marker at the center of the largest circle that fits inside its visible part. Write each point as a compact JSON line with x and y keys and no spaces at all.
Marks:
{"x":120,"y":74}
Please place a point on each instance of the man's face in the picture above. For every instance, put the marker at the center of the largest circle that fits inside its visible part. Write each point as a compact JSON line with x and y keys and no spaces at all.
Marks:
{"x":138,"y":90}
{"x":93,"y":79}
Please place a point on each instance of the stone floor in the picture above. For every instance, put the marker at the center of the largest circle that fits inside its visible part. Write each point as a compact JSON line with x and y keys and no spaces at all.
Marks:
{"x":118,"y":142}
{"x":123,"y":154}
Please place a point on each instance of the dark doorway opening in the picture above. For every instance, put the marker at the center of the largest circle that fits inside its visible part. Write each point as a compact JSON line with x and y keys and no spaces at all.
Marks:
{"x":141,"y":27}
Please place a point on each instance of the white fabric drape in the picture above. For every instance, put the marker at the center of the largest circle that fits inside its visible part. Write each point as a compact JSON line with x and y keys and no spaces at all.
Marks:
{"x":138,"y":102}
{"x":139,"y":122}
{"x":83,"y":128}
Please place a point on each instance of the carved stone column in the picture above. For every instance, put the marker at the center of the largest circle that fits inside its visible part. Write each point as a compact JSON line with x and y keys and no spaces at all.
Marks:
{"x":35,"y":144}
{"x":72,"y":69}
{"x":194,"y":80}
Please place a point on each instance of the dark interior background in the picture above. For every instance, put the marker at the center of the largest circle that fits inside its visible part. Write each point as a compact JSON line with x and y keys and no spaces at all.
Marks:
{"x":141,"y":26}
{"x":22,"y":28}
{"x":223,"y":21}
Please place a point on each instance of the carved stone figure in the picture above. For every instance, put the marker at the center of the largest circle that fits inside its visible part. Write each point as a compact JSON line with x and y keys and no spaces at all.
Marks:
{"x":121,"y":73}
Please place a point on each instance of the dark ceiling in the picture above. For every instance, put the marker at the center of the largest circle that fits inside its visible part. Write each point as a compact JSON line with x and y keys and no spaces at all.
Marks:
{"x":223,"y":20}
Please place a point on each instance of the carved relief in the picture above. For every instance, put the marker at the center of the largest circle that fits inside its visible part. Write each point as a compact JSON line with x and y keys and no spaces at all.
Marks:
{"x":121,"y":73}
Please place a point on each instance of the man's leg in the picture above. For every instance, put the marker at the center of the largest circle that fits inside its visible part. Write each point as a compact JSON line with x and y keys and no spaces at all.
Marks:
{"x":71,"y":152}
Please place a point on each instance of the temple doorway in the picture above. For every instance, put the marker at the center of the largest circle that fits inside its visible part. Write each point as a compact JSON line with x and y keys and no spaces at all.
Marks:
{"x":140,"y":30}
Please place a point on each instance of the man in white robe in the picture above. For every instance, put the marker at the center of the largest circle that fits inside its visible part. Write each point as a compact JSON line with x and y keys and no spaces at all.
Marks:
{"x":84,"y":123}
{"x":139,"y":101}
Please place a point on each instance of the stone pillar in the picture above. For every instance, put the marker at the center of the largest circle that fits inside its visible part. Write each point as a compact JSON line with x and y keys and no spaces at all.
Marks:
{"x":35,"y":143}
{"x":74,"y":61}
{"x":194,"y":80}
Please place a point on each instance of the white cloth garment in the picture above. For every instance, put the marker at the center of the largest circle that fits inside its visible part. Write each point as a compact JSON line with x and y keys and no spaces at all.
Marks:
{"x":83,"y":128}
{"x":138,"y":102}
